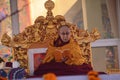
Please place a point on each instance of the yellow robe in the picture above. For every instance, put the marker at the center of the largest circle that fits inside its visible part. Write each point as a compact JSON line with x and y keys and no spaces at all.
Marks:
{"x":71,"y":52}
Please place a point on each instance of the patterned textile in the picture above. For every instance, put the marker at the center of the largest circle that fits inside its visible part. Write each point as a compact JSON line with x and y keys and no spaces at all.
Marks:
{"x":16,"y":73}
{"x":3,"y":73}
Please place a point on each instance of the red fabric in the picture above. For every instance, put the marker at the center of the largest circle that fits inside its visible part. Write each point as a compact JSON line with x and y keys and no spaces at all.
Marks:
{"x":61,"y":69}
{"x":38,"y":57}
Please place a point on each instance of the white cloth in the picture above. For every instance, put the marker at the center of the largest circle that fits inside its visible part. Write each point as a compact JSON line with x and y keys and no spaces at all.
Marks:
{"x":15,"y":64}
{"x":84,"y":77}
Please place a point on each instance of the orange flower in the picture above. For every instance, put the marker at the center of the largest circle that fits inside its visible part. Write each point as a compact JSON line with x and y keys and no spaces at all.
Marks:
{"x":93,"y":75}
{"x":49,"y":76}
{"x":2,"y":78}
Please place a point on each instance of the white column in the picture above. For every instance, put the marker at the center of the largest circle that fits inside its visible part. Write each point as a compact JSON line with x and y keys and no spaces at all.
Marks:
{"x":14,"y":17}
{"x":84,"y":14}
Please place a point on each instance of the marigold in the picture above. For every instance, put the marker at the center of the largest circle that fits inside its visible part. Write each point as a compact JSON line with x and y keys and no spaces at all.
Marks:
{"x":93,"y":75}
{"x":49,"y":76}
{"x":2,"y":78}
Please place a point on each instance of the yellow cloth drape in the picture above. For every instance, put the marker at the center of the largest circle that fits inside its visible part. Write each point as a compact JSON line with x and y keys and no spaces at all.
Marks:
{"x":71,"y":52}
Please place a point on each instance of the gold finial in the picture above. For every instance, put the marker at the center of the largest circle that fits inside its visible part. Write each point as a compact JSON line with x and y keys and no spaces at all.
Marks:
{"x":49,"y":5}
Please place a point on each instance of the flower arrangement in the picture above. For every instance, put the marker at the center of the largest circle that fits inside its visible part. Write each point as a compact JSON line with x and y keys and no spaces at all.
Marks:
{"x":49,"y":76}
{"x":93,"y":75}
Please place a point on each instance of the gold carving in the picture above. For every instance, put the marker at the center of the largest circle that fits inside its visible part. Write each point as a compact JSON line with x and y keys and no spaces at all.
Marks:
{"x":6,"y":40}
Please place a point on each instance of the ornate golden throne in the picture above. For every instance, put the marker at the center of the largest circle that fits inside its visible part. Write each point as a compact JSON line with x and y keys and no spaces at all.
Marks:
{"x":43,"y":32}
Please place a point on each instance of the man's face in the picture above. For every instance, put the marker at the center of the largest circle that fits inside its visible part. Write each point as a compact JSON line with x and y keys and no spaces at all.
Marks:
{"x":64,"y":33}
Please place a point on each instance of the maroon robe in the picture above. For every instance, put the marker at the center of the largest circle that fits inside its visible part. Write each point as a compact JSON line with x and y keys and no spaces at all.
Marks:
{"x":60,"y":68}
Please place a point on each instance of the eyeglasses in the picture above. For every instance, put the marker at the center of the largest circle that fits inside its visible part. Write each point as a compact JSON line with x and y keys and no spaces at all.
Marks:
{"x":65,"y":33}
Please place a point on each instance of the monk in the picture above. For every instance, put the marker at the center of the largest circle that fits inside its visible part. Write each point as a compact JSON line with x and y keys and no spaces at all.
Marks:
{"x":64,"y":56}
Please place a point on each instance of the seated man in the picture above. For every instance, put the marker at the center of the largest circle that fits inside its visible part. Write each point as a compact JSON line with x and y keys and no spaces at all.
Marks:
{"x":64,"y":56}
